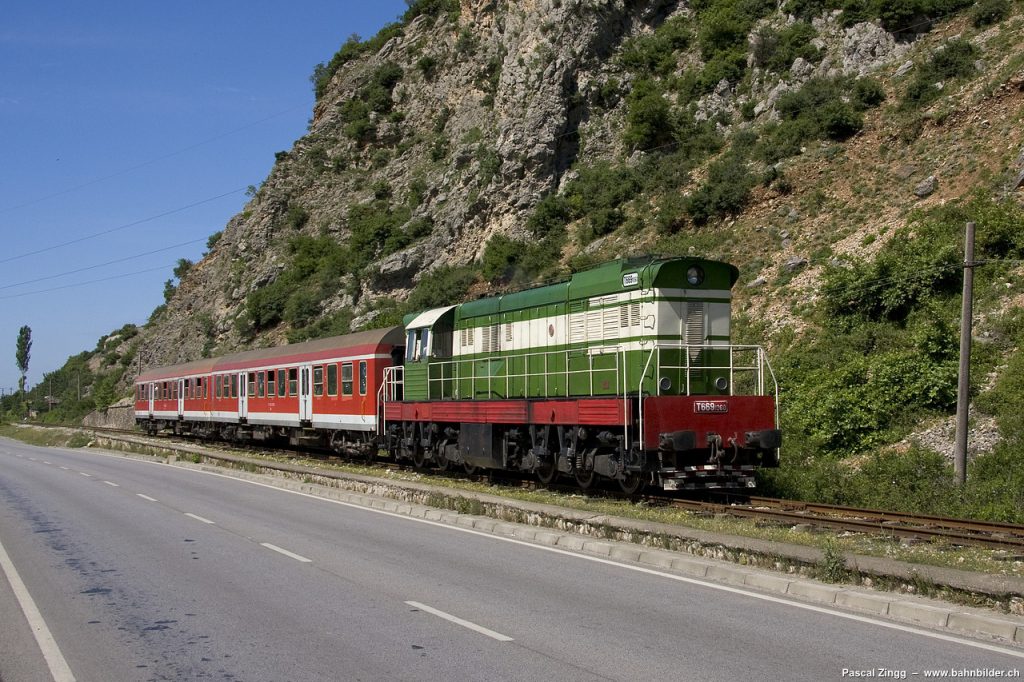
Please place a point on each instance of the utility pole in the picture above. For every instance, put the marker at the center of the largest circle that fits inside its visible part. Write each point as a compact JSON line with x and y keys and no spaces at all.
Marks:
{"x":962,"y":396}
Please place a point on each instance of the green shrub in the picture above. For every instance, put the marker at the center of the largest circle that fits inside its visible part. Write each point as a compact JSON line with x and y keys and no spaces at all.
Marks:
{"x":953,"y":60}
{"x":432,"y":8}
{"x":649,"y":121}
{"x":868,"y":93}
{"x":441,"y":286}
{"x":427,"y":66}
{"x":725,"y":191}
{"x":988,"y":12}
{"x":777,"y":50}
{"x":655,"y":54}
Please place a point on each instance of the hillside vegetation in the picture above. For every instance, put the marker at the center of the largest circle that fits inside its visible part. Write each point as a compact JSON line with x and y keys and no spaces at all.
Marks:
{"x":833,"y":149}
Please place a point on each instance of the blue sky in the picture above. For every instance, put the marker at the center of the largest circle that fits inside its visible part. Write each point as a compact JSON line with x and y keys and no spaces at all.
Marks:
{"x":113,"y":113}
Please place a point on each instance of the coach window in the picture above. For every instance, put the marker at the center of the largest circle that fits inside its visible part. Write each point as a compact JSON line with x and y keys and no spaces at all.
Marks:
{"x":318,"y":380}
{"x":332,"y":379}
{"x":346,"y":378}
{"x":261,"y":388}
{"x":293,"y":381}
{"x":252,"y":384}
{"x":282,"y":383}
{"x":234,"y":386}
{"x":218,"y":387}
{"x":362,"y":377}
{"x":271,"y":390}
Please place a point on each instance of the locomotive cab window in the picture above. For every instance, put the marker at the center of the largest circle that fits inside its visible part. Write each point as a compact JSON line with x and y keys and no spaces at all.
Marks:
{"x":417,"y":344}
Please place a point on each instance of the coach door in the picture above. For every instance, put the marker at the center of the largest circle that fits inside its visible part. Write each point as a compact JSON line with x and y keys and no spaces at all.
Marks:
{"x":151,"y":393}
{"x":305,"y":393}
{"x":243,"y":400}
{"x":181,"y":397}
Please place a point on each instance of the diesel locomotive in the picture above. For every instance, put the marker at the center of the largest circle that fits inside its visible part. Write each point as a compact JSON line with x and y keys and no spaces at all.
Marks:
{"x":625,"y":372}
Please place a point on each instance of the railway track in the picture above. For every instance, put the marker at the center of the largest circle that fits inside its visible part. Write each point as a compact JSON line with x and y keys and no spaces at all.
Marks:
{"x":940,"y":529}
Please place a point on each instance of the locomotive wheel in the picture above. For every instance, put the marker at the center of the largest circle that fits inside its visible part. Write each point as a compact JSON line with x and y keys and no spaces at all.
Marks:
{"x":547,"y":472}
{"x":585,"y":479}
{"x":419,"y":458}
{"x":441,"y":463}
{"x":632,"y":483}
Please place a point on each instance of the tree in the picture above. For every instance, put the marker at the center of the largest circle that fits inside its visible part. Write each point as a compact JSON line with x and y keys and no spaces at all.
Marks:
{"x":23,"y":353}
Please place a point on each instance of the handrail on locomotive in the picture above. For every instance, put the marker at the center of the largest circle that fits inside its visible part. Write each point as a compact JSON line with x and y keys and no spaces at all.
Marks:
{"x":448,"y":383}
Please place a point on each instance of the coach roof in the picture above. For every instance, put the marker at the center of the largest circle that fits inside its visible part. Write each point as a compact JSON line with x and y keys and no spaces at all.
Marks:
{"x":359,"y":343}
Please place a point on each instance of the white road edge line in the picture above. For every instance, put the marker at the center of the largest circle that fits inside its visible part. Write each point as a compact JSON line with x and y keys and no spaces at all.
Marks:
{"x":112,"y":484}
{"x":59,"y":669}
{"x":459,"y":621}
{"x":639,"y":569}
{"x":293,"y":555}
{"x":146,"y":497}
{"x":198,"y":518}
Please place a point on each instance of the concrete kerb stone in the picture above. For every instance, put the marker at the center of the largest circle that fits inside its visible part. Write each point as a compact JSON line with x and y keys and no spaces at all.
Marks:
{"x":862,"y":601}
{"x":768,"y":583}
{"x":983,"y":625}
{"x":811,"y":591}
{"x":725,"y":573}
{"x":1019,"y":637}
{"x":919,"y":613}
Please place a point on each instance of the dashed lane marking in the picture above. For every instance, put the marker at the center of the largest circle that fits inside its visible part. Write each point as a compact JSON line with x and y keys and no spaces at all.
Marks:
{"x":146,"y":497}
{"x":459,"y":621}
{"x":112,"y":484}
{"x":198,"y":518}
{"x":85,"y":474}
{"x":293,"y":555}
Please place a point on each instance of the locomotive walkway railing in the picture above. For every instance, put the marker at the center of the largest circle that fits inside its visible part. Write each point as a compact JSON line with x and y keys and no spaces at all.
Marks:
{"x":493,"y":377}
{"x":595,"y":371}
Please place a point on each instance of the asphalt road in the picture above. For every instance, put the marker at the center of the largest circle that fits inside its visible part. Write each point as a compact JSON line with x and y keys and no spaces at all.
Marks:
{"x":145,"y":571}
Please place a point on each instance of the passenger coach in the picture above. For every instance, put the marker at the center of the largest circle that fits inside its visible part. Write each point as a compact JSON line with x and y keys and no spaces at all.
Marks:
{"x":317,"y":392}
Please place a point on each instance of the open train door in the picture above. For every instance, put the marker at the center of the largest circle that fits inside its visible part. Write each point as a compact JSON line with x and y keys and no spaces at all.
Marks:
{"x":305,"y":393}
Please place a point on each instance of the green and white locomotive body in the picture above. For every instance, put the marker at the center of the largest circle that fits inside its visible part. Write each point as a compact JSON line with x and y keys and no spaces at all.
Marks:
{"x":574,"y":377}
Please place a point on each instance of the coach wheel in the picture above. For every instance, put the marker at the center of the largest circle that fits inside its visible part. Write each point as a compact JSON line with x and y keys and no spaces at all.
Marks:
{"x":419,"y":457}
{"x":631,"y":484}
{"x":547,"y":472}
{"x":470,"y":469}
{"x":585,"y":479}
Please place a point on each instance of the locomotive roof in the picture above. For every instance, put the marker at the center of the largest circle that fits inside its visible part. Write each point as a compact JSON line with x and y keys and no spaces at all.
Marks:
{"x":358,"y":343}
{"x":604,"y":279}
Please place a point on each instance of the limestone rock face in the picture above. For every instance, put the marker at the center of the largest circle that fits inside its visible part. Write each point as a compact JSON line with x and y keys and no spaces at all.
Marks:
{"x":454,"y":128}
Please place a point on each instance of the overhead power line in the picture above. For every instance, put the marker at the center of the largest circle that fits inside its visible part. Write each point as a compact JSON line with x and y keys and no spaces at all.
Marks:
{"x":100,"y":265}
{"x":91,"y":281}
{"x":119,"y":227}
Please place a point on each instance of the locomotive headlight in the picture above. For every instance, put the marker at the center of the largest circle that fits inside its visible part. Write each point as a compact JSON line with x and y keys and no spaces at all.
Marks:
{"x":721,"y":383}
{"x":695,"y":276}
{"x":665,"y":384}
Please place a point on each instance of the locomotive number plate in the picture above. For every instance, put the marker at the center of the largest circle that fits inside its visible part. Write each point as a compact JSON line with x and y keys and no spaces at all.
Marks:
{"x":710,"y":407}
